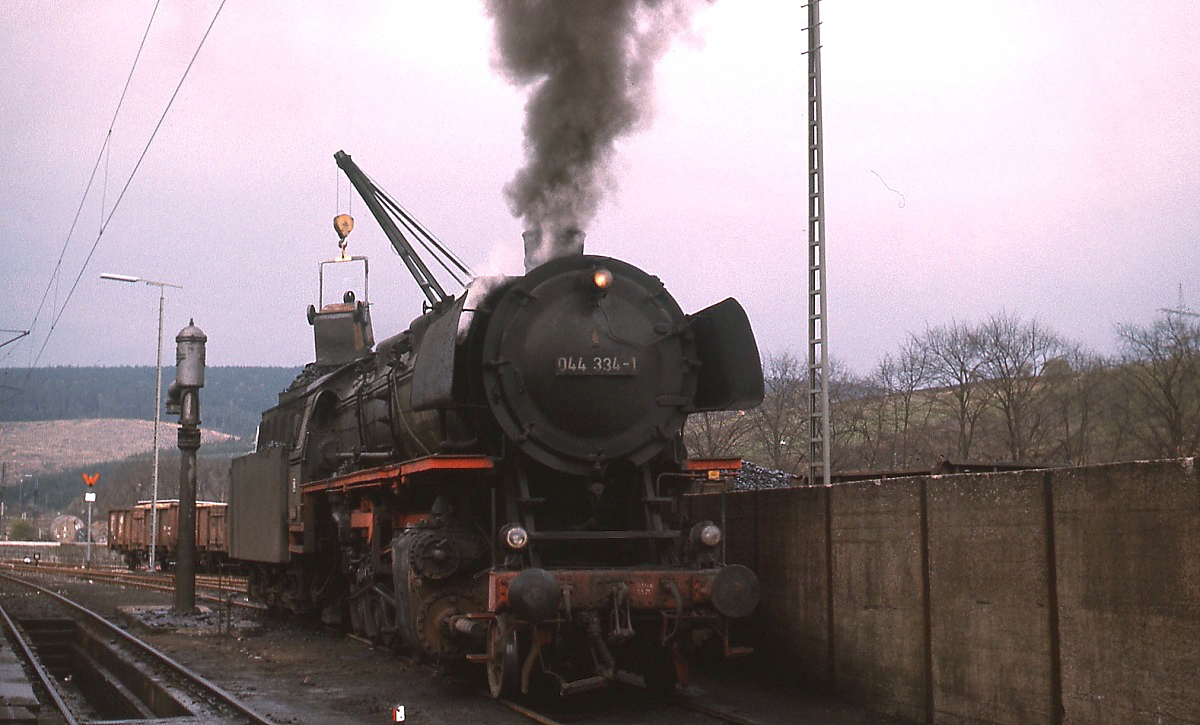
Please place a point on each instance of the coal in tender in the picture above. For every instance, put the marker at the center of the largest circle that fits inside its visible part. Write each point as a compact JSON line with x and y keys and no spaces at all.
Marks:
{"x":753,"y":477}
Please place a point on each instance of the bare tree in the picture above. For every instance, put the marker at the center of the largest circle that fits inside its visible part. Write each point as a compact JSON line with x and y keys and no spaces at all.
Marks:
{"x":722,"y":434}
{"x":955,"y":359}
{"x":862,"y":428}
{"x":778,"y":432}
{"x":1013,"y":353}
{"x":852,"y":399}
{"x":1005,"y":387}
{"x":903,"y":414}
{"x":1160,"y":375}
{"x":1075,"y":385}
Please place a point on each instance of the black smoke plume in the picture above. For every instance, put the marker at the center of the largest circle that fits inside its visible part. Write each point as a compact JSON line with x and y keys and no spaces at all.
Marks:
{"x":592,"y":68}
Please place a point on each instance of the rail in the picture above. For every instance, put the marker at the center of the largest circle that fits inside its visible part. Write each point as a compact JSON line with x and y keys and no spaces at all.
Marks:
{"x":112,"y":630}
{"x":163,"y":583}
{"x":31,"y":659}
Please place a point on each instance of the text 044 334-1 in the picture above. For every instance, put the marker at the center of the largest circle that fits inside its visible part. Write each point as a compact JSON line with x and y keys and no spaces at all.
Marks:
{"x":596,"y":365}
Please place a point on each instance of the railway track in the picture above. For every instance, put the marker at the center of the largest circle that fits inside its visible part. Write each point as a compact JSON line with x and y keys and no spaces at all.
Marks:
{"x":712,"y":711}
{"x":221,"y":590}
{"x":621,"y":707}
{"x":88,"y":669}
{"x":218,"y":582}
{"x":626,"y":702}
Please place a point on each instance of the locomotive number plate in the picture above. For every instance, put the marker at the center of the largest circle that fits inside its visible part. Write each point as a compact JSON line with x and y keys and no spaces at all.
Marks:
{"x":596,"y":365}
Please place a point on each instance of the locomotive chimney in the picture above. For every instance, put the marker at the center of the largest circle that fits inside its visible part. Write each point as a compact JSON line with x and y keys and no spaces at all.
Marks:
{"x":539,"y":250}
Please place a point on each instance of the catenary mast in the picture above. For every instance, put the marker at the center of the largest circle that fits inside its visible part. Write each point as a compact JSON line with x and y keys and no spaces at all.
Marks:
{"x":818,"y":354}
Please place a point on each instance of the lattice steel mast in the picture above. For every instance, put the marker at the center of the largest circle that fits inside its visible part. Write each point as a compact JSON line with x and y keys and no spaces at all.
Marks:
{"x":1181,"y":308}
{"x":818,"y":354}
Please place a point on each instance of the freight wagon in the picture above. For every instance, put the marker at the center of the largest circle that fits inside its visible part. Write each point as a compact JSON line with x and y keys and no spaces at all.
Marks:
{"x":129,"y":534}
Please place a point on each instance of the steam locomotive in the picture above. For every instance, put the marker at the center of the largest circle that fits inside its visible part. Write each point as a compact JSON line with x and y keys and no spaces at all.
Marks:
{"x":501,"y":483}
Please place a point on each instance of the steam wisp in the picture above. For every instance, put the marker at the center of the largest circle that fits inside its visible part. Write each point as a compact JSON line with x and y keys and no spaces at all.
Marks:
{"x":591,"y":65}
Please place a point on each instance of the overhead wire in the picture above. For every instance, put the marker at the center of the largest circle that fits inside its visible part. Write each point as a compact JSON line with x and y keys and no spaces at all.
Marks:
{"x":124,"y":189}
{"x":95,"y":167}
{"x":133,"y":173}
{"x":107,"y":165}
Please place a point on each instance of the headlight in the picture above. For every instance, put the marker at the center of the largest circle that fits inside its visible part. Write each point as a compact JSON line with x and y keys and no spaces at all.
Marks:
{"x":602,"y":278}
{"x":515,"y":537}
{"x":706,"y":534}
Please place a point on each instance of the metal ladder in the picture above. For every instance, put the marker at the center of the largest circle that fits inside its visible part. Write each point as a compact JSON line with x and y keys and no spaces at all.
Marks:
{"x":818,"y":354}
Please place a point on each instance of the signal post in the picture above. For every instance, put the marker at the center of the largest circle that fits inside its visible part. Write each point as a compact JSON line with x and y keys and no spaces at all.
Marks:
{"x":90,"y":497}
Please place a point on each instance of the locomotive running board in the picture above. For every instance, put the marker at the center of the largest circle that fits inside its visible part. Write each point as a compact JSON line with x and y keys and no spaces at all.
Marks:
{"x":399,"y":474}
{"x":622,"y":535}
{"x":708,"y":465}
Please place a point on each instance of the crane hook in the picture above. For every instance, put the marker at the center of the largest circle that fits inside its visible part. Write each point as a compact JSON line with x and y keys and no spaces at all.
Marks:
{"x":343,"y":224}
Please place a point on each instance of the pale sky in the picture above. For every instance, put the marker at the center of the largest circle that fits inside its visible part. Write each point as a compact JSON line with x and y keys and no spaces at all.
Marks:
{"x":1044,"y":157}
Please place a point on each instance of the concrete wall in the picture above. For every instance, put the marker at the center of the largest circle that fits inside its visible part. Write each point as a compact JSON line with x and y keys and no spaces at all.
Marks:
{"x":52,"y":552}
{"x":990,"y":605}
{"x":1128,"y":550}
{"x":1025,"y":597}
{"x":878,"y":596}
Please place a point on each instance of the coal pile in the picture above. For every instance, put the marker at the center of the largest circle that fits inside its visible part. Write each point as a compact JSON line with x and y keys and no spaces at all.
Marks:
{"x":753,"y":477}
{"x":203,"y":620}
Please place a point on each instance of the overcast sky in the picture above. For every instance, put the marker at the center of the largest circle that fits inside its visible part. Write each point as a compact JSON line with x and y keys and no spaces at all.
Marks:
{"x":1044,"y":157}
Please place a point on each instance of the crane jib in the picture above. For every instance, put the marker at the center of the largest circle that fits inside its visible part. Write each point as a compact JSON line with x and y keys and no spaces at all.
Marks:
{"x":376,"y":199}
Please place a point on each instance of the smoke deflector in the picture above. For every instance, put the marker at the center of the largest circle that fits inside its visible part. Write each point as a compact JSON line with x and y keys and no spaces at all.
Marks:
{"x":731,"y":374}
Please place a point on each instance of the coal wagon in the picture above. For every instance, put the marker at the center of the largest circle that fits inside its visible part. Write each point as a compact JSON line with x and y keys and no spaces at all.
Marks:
{"x":129,"y":534}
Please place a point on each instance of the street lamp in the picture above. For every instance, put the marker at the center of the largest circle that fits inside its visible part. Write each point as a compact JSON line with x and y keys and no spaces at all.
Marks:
{"x":157,"y":398}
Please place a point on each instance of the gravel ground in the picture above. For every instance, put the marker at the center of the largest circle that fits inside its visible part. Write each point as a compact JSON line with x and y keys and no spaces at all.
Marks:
{"x":297,"y":674}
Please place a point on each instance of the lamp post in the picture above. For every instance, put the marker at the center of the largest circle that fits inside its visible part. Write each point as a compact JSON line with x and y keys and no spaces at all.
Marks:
{"x":157,"y":398}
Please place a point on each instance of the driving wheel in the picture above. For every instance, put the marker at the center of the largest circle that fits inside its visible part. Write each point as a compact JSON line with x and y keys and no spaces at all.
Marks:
{"x":504,"y":665}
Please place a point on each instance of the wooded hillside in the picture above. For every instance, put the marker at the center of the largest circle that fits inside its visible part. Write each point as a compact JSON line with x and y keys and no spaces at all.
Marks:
{"x":232,"y":400}
{"x":1004,"y":389}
